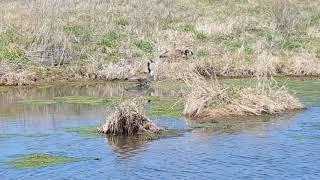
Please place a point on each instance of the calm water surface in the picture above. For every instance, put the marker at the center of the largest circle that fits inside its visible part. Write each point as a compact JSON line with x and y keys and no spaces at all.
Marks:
{"x":278,"y":147}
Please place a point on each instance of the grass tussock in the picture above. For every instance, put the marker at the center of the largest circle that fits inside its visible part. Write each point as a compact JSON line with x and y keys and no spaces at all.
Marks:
{"x":210,"y":99}
{"x":128,"y":119}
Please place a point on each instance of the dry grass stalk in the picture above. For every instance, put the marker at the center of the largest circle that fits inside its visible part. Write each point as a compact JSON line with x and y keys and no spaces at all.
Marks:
{"x":128,"y":119}
{"x":209,"y":99}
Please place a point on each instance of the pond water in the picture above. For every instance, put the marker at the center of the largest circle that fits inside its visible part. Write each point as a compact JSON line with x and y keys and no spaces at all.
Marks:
{"x":34,"y":121}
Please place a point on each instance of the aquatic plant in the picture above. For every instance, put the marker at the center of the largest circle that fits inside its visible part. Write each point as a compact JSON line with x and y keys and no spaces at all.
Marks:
{"x":39,"y":160}
{"x":38,"y":101}
{"x":209,"y":99}
{"x":128,"y":119}
{"x":164,"y":107}
{"x":83,"y":131}
{"x":90,"y":100}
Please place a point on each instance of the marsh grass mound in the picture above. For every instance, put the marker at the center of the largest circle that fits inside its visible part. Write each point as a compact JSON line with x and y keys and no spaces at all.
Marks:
{"x":128,"y":119}
{"x":213,"y":100}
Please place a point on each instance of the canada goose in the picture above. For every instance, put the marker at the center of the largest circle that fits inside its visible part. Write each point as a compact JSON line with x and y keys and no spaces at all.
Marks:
{"x":176,"y":55}
{"x":143,"y":78}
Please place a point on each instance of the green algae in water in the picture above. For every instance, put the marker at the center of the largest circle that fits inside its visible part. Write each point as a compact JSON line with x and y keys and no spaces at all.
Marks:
{"x":38,"y":101}
{"x":39,"y":160}
{"x":22,"y":135}
{"x":89,"y":100}
{"x":164,"y":107}
{"x":165,"y":133}
{"x":83,"y":131}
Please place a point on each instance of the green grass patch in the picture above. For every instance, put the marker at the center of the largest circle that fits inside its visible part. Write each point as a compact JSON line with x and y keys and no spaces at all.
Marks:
{"x":22,"y":135}
{"x":83,"y":131}
{"x":90,"y":100}
{"x":121,"y":21}
{"x":146,"y":46}
{"x":288,"y":43}
{"x":6,"y":38}
{"x":83,"y":33}
{"x":200,"y":35}
{"x":164,"y":107}
{"x":111,"y":39}
{"x":13,"y":54}
{"x":39,"y":160}
{"x":283,"y":40}
{"x":188,"y":28}
{"x":38,"y":101}
{"x":238,"y":44}
{"x":314,"y":19}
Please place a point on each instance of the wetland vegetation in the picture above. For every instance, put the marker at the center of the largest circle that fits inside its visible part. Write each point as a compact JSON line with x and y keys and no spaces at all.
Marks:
{"x":108,"y":42}
{"x":220,"y":78}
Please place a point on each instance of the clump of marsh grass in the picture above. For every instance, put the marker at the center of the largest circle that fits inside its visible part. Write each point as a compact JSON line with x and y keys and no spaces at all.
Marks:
{"x":128,"y":119}
{"x":213,"y":100}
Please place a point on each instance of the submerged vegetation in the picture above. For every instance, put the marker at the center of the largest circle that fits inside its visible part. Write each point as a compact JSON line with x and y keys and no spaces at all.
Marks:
{"x":82,"y":100}
{"x":83,"y":131}
{"x":39,"y":160}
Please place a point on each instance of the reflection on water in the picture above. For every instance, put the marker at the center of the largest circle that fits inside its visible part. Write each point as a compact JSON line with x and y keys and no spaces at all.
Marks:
{"x":125,"y":147}
{"x":284,"y":146}
{"x":253,"y":125}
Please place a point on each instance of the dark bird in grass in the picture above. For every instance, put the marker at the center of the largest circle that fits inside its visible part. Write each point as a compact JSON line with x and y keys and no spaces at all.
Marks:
{"x":143,"y":78}
{"x":176,"y":55}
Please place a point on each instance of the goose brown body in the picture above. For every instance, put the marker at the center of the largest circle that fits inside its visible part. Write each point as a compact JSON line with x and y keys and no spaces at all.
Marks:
{"x":176,"y":55}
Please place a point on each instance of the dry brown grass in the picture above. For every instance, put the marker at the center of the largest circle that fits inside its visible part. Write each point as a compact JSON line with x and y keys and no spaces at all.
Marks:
{"x":210,"y":99}
{"x":16,"y":74}
{"x":128,"y":119}
{"x":224,"y":35}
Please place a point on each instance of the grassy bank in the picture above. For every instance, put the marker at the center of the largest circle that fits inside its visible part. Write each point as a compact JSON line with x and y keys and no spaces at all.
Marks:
{"x":47,"y":41}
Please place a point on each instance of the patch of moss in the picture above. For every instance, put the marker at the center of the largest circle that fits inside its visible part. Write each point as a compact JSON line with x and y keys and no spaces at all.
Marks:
{"x":83,"y":131}
{"x":39,"y":160}
{"x":38,"y":101}
{"x":22,"y":135}
{"x":90,"y":100}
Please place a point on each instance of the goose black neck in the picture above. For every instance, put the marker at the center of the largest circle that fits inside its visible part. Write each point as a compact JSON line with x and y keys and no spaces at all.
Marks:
{"x":149,"y":69}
